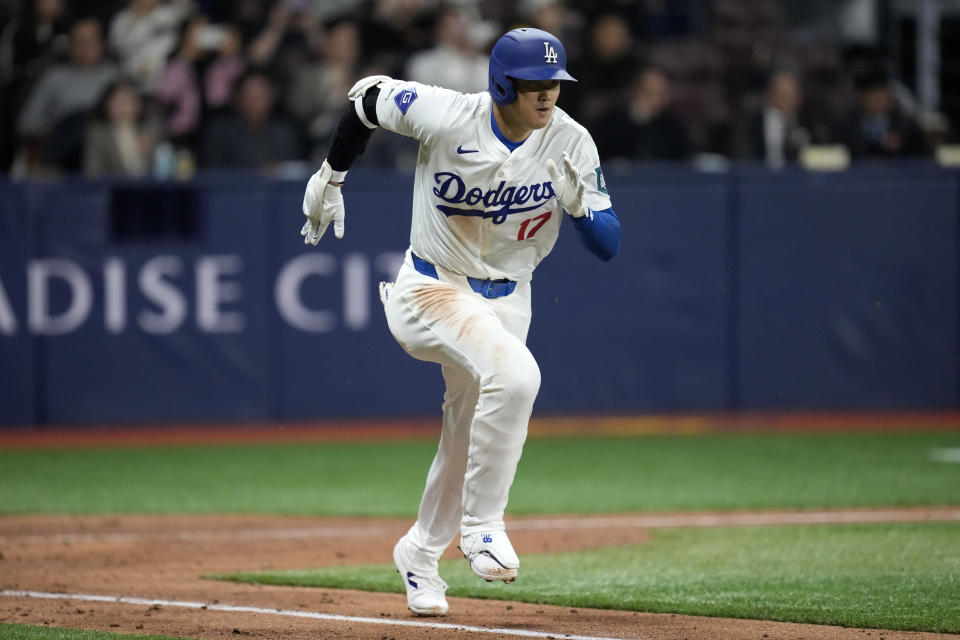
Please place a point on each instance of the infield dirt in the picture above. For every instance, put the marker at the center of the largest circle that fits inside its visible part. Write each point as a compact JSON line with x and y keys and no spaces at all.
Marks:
{"x":165,"y":557}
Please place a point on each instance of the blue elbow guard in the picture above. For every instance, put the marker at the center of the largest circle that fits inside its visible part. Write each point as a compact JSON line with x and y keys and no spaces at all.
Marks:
{"x":600,"y":232}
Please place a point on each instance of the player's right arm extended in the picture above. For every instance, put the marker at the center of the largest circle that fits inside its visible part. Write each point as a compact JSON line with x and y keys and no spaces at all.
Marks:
{"x":322,"y":201}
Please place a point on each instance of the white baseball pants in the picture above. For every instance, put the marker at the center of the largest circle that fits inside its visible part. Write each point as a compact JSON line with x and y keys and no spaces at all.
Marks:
{"x":491,"y":380}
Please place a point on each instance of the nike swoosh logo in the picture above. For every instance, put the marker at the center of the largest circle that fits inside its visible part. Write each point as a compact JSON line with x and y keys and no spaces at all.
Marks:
{"x":461,"y":150}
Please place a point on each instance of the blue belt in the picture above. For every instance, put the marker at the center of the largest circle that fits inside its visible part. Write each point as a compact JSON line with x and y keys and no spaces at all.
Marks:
{"x":486,"y":288}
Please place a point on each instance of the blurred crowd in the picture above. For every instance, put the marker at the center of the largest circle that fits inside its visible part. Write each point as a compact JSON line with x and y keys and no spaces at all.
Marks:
{"x":167,"y":87}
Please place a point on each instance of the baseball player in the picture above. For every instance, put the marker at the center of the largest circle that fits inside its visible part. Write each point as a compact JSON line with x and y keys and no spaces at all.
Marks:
{"x":496,"y":172}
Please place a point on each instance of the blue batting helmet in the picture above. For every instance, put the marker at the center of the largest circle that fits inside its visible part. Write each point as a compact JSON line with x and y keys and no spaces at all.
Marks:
{"x":525,"y":54}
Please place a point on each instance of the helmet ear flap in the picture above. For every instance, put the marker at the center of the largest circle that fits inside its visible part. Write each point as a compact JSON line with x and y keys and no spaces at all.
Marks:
{"x":501,"y":89}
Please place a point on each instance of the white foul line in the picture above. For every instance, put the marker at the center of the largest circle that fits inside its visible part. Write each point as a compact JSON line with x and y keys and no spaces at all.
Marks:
{"x":196,"y":536}
{"x":652,"y":521}
{"x":86,"y":597}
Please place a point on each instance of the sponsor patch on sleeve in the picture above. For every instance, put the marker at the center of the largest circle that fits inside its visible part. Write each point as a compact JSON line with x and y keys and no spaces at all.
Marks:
{"x":404,"y":99}
{"x":601,"y":181}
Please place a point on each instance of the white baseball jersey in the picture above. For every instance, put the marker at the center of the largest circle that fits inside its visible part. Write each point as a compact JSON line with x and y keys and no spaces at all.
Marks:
{"x":479,"y":209}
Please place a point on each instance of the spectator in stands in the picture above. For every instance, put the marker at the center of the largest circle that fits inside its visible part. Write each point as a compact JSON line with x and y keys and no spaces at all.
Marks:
{"x":780,"y":128}
{"x":391,"y":30}
{"x":554,"y":17}
{"x":879,"y":127}
{"x":103,"y":11}
{"x":179,"y":89}
{"x":253,"y":136}
{"x":316,"y":91}
{"x":29,"y":45}
{"x":645,"y":128}
{"x":224,"y":70}
{"x":454,"y":61}
{"x":144,"y":34}
{"x":121,"y":139}
{"x":604,"y":72}
{"x":290,"y":38}
{"x":249,"y":16}
{"x":51,"y":121}
{"x":652,"y":20}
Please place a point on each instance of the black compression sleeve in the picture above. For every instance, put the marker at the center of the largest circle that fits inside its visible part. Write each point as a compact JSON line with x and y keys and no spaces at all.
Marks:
{"x":351,"y":136}
{"x":370,"y":105}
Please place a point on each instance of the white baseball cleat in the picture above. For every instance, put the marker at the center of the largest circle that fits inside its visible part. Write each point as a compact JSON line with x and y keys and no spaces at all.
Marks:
{"x":425,"y":594}
{"x":491,"y":555}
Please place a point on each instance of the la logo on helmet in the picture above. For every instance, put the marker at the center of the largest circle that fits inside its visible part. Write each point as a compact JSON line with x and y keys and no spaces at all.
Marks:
{"x":549,"y":53}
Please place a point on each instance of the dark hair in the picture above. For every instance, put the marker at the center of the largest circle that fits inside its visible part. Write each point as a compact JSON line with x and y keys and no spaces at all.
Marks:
{"x":85,"y":17}
{"x":655,"y":68}
{"x":253,"y":72}
{"x":869,"y":66}
{"x":871,"y":78}
{"x":99,"y":113}
{"x":781,"y":71}
{"x":29,"y":12}
{"x":182,"y":30}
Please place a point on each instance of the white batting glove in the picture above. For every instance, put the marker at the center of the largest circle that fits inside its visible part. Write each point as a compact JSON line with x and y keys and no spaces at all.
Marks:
{"x":323,"y":204}
{"x":568,"y":186}
{"x":386,"y":289}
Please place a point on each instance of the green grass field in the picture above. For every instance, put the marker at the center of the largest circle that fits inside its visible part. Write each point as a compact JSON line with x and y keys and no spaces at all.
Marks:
{"x":556,"y":475}
{"x":892,"y":576}
{"x":23,"y":632}
{"x":903,"y":576}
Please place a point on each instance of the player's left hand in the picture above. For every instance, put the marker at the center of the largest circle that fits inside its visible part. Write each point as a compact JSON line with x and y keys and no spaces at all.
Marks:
{"x":322,"y":204}
{"x":568,"y":186}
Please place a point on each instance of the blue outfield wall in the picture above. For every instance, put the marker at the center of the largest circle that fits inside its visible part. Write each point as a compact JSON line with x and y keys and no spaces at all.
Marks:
{"x":143,"y":302}
{"x":848,"y":291}
{"x":18,"y":369}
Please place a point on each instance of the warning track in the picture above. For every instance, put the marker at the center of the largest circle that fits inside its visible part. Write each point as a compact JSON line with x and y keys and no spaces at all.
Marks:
{"x":394,"y":429}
